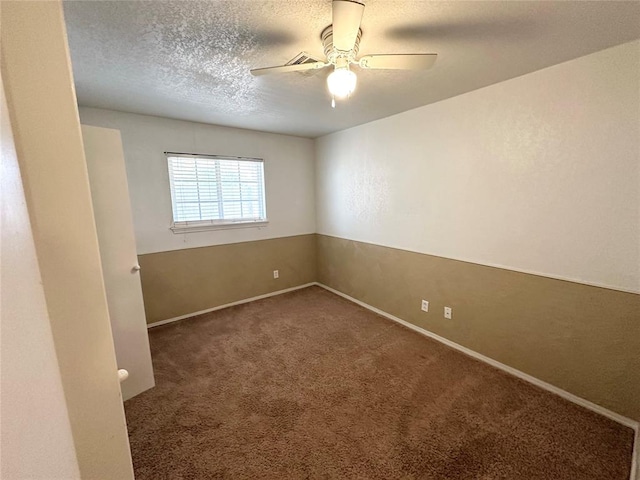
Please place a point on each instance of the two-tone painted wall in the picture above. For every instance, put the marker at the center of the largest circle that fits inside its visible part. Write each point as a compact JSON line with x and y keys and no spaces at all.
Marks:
{"x":189,"y":272}
{"x":451,"y":201}
{"x":518,"y":205}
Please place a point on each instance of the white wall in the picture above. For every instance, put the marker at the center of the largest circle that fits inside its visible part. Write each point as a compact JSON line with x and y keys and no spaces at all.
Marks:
{"x":289,"y":176}
{"x":36,"y":71}
{"x":540,"y":174}
{"x":36,"y":440}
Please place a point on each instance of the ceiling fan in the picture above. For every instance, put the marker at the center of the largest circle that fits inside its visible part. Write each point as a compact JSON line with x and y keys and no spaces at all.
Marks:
{"x":341,"y":41}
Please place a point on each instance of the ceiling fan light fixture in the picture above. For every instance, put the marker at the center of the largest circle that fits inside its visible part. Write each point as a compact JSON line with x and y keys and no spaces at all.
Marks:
{"x":341,"y":42}
{"x":341,"y":82}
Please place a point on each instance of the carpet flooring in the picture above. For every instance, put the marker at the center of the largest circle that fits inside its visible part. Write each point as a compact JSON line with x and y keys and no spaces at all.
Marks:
{"x":307,"y":385}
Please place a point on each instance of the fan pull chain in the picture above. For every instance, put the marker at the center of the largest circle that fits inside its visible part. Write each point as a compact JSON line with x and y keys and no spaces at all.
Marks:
{"x":333,"y":102}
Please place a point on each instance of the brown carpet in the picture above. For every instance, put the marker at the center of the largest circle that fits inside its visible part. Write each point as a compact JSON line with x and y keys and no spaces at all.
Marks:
{"x":309,"y":385}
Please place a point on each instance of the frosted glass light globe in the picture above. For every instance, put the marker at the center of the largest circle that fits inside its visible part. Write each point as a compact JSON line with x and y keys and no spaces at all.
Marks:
{"x":341,"y":82}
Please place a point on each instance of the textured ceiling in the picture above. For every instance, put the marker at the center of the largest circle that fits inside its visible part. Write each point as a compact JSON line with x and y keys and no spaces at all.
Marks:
{"x":191,"y":60}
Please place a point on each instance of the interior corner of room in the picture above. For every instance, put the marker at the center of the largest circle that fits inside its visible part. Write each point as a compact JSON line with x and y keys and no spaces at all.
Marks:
{"x":513,"y":202}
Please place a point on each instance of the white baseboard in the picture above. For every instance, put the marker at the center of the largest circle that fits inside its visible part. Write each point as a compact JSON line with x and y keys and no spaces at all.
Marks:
{"x":494,"y":363}
{"x":226,"y":305}
{"x":635,"y":459}
{"x":635,"y":465}
{"x":628,"y":422}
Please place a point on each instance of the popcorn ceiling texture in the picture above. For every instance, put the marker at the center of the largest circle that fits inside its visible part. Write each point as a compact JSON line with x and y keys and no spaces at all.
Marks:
{"x":191,"y":60}
{"x":181,"y":49}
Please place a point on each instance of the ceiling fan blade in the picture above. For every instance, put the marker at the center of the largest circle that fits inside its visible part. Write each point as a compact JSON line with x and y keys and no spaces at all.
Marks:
{"x":347,"y":15}
{"x":409,"y":61}
{"x":289,"y":68}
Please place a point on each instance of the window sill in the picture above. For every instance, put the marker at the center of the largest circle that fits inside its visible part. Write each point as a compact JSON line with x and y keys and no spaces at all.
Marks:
{"x":218,"y":226}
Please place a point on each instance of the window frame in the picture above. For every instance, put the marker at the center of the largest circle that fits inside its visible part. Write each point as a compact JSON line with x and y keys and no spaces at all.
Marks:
{"x":189,"y":226}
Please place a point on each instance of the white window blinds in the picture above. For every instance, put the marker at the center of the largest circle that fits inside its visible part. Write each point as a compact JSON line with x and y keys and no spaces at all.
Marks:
{"x":212,"y":191}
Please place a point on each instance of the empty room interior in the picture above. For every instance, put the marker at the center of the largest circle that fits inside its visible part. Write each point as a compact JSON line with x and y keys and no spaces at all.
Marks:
{"x":320,"y":239}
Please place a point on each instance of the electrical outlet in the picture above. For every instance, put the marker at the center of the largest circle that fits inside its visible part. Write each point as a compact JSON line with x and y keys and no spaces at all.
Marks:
{"x":425,"y":306}
{"x":447,"y":312}
{"x":276,"y":274}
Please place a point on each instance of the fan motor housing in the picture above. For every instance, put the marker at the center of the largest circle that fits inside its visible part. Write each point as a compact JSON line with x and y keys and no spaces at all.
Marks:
{"x":334,"y":54}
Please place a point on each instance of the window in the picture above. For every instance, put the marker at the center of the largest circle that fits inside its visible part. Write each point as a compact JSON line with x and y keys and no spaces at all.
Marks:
{"x":210,"y":191}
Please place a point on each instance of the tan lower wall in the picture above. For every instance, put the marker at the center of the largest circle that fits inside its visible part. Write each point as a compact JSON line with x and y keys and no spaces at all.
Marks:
{"x":180,"y":282}
{"x":583,"y":339}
